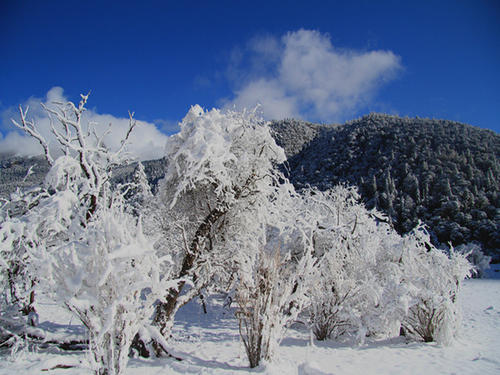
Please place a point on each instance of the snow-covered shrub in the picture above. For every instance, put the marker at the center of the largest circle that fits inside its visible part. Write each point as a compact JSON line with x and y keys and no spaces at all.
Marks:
{"x":357,"y":284}
{"x":372,"y":281}
{"x":270,"y":294}
{"x":108,"y":276}
{"x":29,"y":221}
{"x":434,"y":279}
{"x":255,"y":296}
{"x":336,"y":288}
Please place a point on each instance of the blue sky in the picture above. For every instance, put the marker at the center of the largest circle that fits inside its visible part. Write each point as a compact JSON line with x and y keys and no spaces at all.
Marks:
{"x":318,"y":60}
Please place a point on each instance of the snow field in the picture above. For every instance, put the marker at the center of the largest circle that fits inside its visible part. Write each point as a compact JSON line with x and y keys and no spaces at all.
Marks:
{"x":209,"y":344}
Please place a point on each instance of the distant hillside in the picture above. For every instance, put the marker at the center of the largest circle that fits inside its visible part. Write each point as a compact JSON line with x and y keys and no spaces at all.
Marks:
{"x":25,"y":172}
{"x":441,"y":172}
{"x":293,"y":135}
{"x":15,"y":172}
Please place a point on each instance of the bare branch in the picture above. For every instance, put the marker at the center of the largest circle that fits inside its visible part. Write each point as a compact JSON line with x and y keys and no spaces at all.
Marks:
{"x":131,"y":126}
{"x":29,"y":128}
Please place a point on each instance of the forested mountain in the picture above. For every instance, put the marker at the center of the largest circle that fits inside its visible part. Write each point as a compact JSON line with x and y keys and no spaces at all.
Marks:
{"x":20,"y":172}
{"x":443,"y":173}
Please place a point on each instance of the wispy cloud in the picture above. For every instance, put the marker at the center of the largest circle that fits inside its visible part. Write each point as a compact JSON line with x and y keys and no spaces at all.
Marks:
{"x":146,"y":141}
{"x":303,"y":75}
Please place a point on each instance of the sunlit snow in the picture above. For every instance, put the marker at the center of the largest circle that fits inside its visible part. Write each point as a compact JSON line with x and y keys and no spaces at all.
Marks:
{"x":209,"y":344}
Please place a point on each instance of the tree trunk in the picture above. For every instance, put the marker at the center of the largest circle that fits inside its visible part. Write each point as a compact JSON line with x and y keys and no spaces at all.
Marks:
{"x":165,"y":311}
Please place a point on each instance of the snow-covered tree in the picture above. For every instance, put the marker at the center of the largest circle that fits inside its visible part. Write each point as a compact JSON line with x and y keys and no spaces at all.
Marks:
{"x":220,"y":175}
{"x":40,"y":217}
{"x":228,"y":208}
{"x":138,"y":191}
{"x":82,"y":245}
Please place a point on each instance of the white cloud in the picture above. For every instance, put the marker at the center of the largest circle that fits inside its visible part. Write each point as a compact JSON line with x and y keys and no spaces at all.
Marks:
{"x":272,"y":96}
{"x":304,"y":75}
{"x":146,"y":141}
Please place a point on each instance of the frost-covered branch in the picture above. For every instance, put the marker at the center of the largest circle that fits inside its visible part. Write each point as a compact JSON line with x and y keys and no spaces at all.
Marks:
{"x":29,"y":127}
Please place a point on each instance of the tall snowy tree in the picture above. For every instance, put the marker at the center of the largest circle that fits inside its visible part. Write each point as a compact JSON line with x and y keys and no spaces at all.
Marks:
{"x":81,"y":244}
{"x":220,"y":175}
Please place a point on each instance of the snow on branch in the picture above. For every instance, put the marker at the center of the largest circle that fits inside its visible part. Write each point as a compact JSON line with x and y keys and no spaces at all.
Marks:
{"x":29,"y":127}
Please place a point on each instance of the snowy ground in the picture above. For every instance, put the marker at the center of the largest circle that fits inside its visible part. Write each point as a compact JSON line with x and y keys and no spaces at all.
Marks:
{"x":209,"y":344}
